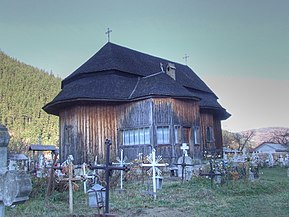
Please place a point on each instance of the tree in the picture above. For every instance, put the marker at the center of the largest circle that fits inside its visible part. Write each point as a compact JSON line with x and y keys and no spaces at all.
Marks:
{"x":280,"y":136}
{"x":24,"y":90}
{"x":243,"y":139}
{"x":228,"y":139}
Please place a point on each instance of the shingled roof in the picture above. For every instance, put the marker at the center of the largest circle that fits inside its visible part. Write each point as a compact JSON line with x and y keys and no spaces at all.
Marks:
{"x":116,"y":73}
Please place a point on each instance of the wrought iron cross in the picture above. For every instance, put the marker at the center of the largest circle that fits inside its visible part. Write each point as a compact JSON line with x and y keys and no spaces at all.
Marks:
{"x":183,"y":165}
{"x":108,"y":34}
{"x":186,"y":57}
{"x":107,"y":168}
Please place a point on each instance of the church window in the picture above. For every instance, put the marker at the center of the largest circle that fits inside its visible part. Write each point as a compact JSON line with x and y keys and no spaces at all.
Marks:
{"x":197,"y":139}
{"x":163,"y":135}
{"x":138,"y":136}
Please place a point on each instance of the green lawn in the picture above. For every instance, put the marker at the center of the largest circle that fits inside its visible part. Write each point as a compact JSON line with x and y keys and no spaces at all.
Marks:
{"x":268,"y":196}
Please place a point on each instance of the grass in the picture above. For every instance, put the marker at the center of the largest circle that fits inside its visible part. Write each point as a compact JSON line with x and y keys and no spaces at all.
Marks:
{"x":268,"y":196}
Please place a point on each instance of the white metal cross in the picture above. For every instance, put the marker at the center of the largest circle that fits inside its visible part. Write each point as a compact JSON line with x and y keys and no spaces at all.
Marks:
{"x":86,"y":176}
{"x":154,"y":164}
{"x":185,"y":147}
{"x":121,"y":162}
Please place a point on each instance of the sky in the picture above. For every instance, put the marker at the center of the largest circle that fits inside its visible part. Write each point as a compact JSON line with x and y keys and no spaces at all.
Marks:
{"x":239,"y":48}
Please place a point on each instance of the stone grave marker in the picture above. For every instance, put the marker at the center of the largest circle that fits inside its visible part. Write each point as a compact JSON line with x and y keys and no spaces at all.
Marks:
{"x":185,"y":167}
{"x":15,"y":186}
{"x":185,"y":164}
{"x":251,"y":176}
{"x":270,"y":160}
{"x":287,"y":160}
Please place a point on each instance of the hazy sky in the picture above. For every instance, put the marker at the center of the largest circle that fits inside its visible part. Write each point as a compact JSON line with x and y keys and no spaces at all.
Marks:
{"x":239,"y":48}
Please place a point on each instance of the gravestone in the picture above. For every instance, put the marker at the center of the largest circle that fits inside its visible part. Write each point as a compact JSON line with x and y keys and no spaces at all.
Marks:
{"x":185,"y":172}
{"x":287,"y":160}
{"x":218,"y":177}
{"x":251,"y":176}
{"x":4,"y":141}
{"x":270,"y":160}
{"x":281,"y":161}
{"x":185,"y":166}
{"x":15,"y":186}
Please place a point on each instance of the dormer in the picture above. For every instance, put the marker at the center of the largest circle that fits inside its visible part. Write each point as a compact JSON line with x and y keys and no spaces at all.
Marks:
{"x":171,"y":70}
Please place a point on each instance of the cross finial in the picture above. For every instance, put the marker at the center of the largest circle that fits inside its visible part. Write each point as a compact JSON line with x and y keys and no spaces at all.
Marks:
{"x":186,"y":57}
{"x":108,"y":34}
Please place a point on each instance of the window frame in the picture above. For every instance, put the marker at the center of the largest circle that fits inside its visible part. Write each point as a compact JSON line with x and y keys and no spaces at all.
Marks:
{"x":164,"y":130}
{"x":197,"y":135}
{"x":210,"y":134}
{"x":134,"y":136}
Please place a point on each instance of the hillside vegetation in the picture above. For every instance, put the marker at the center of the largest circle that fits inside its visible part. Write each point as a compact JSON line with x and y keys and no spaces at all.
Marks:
{"x":24,"y":90}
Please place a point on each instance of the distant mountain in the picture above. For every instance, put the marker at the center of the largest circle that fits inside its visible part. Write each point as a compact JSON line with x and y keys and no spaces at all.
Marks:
{"x":24,"y":90}
{"x":266,"y":134}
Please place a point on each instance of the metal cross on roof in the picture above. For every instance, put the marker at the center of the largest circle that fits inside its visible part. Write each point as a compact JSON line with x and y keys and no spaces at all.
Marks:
{"x":108,"y":34}
{"x":186,"y":57}
{"x":154,"y":163}
{"x":185,"y":147}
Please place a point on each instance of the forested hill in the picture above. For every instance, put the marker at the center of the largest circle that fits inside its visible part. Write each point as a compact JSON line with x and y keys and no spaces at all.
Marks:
{"x":24,"y":90}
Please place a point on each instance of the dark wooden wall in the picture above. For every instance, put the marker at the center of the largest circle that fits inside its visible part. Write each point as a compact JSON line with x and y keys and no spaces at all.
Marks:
{"x":84,"y":129}
{"x":135,"y":115}
{"x":209,"y":120}
{"x":153,"y":113}
{"x":218,"y":135}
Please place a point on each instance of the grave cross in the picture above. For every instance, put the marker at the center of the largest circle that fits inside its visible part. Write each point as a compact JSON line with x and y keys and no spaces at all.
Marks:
{"x":107,"y":168}
{"x":121,"y":162}
{"x":184,"y":147}
{"x":70,"y":179}
{"x":86,"y":177}
{"x":154,"y":164}
{"x":108,"y":34}
{"x":184,"y":165}
{"x":212,"y":174}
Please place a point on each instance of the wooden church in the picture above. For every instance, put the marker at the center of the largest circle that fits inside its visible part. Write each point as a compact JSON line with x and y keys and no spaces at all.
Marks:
{"x":140,"y":102}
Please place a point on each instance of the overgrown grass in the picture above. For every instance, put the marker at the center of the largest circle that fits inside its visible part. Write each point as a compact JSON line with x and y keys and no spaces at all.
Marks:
{"x":268,"y":196}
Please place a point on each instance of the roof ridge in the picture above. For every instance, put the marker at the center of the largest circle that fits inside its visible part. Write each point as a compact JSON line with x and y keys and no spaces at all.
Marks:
{"x":134,"y":89}
{"x":155,"y":74}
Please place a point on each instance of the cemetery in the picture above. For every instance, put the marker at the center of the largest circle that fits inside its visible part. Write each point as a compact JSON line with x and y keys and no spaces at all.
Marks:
{"x":227,"y":186}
